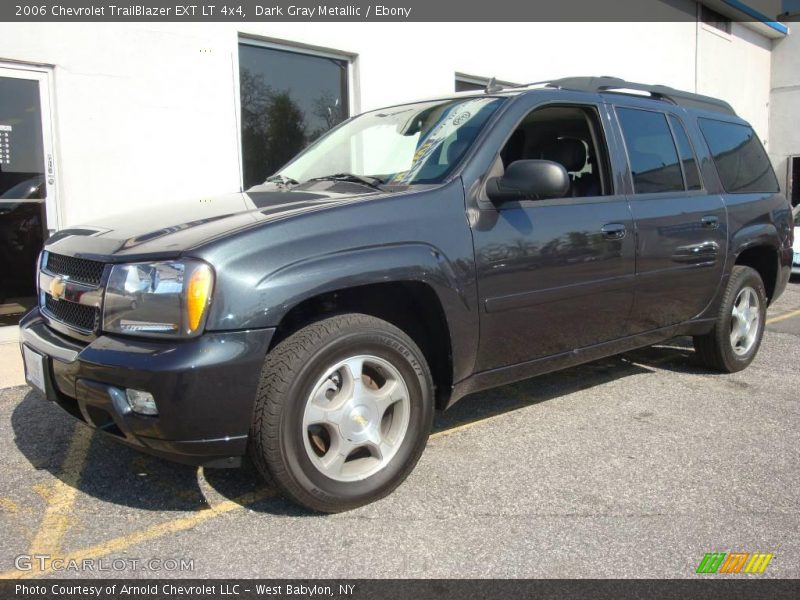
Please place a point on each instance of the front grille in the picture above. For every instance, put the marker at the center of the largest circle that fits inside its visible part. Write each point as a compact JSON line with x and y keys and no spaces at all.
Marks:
{"x":72,"y":314}
{"x":80,"y":270}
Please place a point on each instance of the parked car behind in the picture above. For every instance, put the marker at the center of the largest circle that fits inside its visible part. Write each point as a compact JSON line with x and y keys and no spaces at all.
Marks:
{"x":413,"y":255}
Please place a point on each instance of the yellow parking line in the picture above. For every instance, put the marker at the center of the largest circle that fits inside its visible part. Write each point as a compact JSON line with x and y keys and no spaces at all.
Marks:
{"x":784,"y":316}
{"x":470,"y":424}
{"x":457,"y":428}
{"x":8,"y":505}
{"x":123,"y":542}
{"x":61,"y":495}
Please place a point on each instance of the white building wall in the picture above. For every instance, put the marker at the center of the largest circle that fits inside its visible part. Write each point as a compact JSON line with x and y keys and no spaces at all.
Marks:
{"x":784,"y":129}
{"x":146,"y":113}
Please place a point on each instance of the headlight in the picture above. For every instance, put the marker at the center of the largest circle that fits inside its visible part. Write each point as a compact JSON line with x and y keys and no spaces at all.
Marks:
{"x":165,"y":299}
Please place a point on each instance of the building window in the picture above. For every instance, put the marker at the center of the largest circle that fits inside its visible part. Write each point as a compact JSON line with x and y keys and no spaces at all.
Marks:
{"x":288,"y":100}
{"x":714,"y":19}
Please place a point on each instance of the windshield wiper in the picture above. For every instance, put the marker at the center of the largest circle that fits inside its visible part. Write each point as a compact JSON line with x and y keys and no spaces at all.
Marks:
{"x":282,"y":180}
{"x":373,"y":182}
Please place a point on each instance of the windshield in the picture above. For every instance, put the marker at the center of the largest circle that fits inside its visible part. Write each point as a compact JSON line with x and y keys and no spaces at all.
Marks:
{"x":413,"y":143}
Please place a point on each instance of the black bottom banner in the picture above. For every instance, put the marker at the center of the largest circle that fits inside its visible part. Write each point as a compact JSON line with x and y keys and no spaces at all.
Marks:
{"x":356,"y":589}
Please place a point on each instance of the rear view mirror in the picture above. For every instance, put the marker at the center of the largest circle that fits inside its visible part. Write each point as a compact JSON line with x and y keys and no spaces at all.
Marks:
{"x":529,"y":180}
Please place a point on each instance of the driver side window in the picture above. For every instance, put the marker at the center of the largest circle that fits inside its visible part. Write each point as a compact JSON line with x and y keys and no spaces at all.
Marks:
{"x":570,"y":136}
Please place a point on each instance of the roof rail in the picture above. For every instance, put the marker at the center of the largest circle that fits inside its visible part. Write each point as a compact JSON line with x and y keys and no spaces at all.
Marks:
{"x":661,"y":92}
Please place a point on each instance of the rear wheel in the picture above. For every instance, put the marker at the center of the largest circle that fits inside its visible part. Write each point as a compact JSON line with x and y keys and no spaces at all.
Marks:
{"x":737,"y":333}
{"x":343,"y":412}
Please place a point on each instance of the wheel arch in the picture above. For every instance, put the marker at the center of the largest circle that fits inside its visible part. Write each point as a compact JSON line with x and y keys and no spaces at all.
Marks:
{"x":411,"y":306}
{"x":412,"y":286}
{"x":761,"y":253}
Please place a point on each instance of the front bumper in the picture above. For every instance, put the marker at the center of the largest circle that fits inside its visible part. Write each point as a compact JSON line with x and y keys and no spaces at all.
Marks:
{"x":204,"y":388}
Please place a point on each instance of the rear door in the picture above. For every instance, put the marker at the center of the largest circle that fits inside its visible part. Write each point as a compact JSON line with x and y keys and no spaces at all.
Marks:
{"x":681,"y":229}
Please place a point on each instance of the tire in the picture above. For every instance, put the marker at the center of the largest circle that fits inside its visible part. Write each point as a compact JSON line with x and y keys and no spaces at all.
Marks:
{"x":311,"y":409}
{"x":716,"y":349}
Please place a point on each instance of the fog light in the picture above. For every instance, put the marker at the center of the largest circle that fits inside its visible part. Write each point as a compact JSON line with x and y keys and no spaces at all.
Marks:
{"x":141,"y":402}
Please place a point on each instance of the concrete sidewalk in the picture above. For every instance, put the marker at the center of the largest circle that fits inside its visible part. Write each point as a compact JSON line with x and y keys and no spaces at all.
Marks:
{"x":11,"y":370}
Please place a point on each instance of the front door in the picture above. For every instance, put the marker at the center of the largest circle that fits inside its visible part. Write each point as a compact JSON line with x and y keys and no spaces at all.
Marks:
{"x":556,"y":274}
{"x":27,"y":186}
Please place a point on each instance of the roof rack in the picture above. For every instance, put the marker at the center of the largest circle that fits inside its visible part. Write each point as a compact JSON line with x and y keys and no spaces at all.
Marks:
{"x":661,"y":92}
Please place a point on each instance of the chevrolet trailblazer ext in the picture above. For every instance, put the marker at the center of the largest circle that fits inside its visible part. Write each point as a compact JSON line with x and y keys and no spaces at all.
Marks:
{"x":411,"y":256}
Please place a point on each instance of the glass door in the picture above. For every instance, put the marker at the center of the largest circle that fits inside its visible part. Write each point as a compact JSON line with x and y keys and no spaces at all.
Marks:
{"x":27,"y":186}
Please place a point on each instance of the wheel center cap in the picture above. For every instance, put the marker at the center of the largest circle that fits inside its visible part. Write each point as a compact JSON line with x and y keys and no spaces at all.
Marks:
{"x":359,"y":419}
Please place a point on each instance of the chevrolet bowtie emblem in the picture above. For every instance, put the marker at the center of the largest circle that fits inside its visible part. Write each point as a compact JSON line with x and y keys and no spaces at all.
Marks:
{"x":57,"y":288}
{"x":360,"y":420}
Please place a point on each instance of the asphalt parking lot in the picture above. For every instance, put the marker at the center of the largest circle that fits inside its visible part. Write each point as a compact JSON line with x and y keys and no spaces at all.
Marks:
{"x":634,"y":466}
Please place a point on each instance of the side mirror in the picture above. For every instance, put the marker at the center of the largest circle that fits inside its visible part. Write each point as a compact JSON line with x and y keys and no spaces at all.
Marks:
{"x":529,"y":180}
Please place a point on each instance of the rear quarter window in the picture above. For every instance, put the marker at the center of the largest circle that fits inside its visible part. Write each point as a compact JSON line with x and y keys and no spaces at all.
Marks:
{"x":741,"y":161}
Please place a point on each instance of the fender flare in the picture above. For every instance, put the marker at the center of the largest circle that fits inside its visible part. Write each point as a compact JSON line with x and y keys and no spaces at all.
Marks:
{"x":750,"y":236}
{"x":453,"y":285}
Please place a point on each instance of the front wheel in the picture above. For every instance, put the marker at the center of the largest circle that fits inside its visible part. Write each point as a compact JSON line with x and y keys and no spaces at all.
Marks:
{"x":737,"y":333}
{"x":343,"y":412}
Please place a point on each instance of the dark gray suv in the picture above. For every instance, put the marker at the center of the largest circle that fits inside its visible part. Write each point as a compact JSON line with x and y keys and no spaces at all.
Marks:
{"x":411,"y":256}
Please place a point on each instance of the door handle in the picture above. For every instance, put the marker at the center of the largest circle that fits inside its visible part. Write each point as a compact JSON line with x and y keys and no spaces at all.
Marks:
{"x":613,"y":231}
{"x":710,"y":222}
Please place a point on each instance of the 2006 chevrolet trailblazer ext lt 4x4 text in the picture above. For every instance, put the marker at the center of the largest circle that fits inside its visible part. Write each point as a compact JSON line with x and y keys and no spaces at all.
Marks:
{"x":411,"y":256}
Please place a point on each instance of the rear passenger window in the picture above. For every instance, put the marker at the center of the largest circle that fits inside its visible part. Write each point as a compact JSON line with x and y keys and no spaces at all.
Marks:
{"x":741,"y":162}
{"x":688,"y":160}
{"x":651,"y":151}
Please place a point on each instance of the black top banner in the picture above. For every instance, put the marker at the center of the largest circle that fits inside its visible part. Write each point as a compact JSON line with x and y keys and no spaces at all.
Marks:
{"x":381,"y":11}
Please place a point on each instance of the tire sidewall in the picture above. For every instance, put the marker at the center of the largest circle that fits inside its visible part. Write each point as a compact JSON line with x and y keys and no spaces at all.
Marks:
{"x":412,"y":368}
{"x":744,"y":278}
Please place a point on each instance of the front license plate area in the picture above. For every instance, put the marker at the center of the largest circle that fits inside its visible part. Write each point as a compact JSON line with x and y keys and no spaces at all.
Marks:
{"x":34,"y":369}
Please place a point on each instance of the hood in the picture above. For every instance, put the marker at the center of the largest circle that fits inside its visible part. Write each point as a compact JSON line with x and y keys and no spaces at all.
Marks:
{"x":165,"y":232}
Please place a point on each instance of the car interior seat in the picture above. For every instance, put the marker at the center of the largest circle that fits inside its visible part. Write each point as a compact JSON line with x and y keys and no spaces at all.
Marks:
{"x":571,"y":154}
